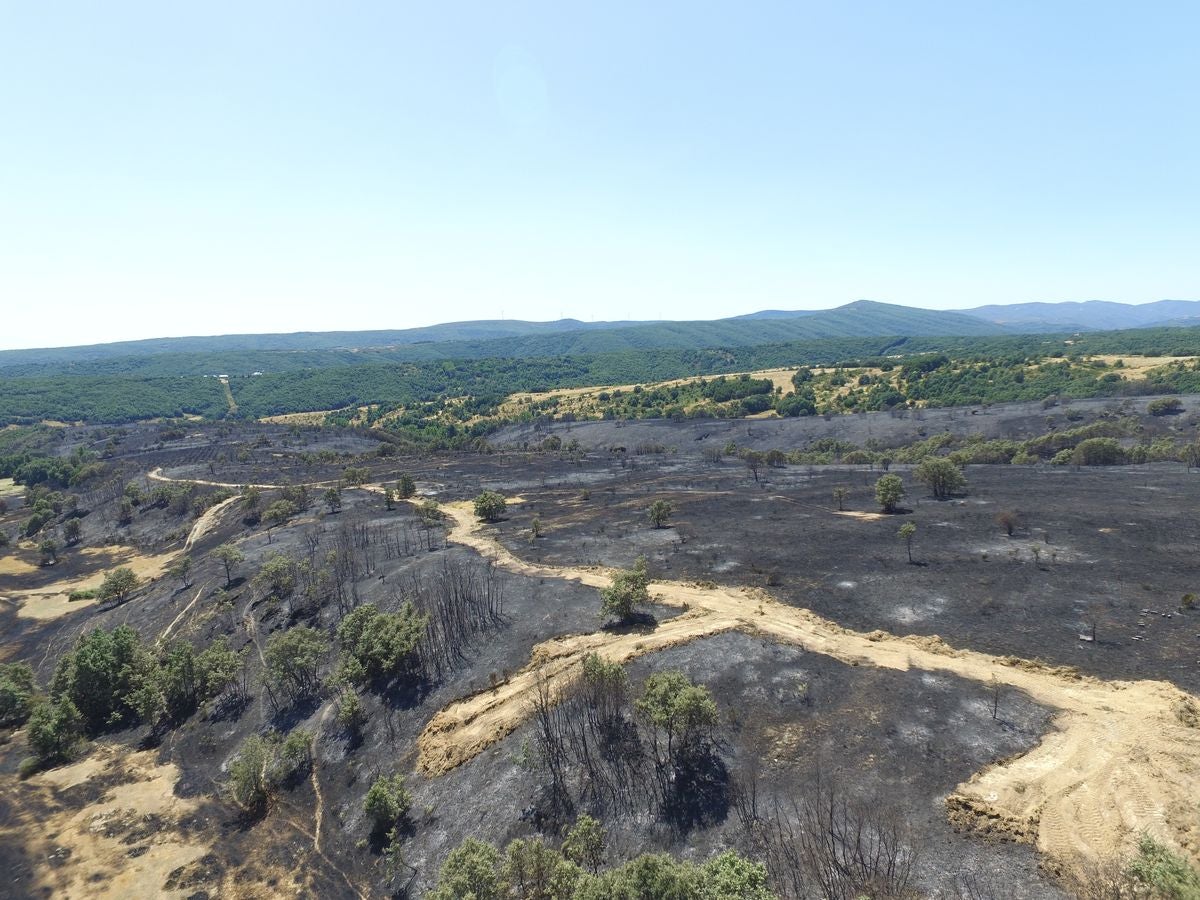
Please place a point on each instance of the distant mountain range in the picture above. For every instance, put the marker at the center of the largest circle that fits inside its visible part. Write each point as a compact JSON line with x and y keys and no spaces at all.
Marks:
{"x":567,"y":337}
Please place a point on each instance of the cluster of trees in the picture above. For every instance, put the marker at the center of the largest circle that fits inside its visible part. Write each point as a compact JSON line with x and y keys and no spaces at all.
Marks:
{"x":111,"y":679}
{"x":530,"y":869}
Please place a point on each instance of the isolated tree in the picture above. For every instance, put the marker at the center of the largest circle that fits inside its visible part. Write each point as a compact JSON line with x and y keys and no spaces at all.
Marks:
{"x":72,"y":531}
{"x":685,"y":711}
{"x":405,"y":487}
{"x":889,"y":491}
{"x":628,"y":590}
{"x":182,"y":569}
{"x":231,"y":557}
{"x":49,"y":550}
{"x":535,"y":528}
{"x":117,"y":584}
{"x":490,"y":506}
{"x":333,"y":499}
{"x":754,"y":462}
{"x":389,"y":498}
{"x":660,"y":512}
{"x":941,"y":475}
{"x":839,"y":497}
{"x":125,"y":511}
{"x":386,"y":803}
{"x":351,"y":714}
{"x":907,"y":532}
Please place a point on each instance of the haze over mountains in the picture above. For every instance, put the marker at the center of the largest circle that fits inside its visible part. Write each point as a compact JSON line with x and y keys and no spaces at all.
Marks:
{"x":565,"y":337}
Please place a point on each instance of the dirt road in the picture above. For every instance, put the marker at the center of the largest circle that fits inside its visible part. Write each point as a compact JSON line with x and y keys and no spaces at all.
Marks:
{"x":1121,"y":761}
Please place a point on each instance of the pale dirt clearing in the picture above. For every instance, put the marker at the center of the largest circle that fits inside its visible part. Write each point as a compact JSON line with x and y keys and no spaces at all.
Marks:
{"x":157,"y":475}
{"x":89,"y":852}
{"x":1120,"y":761}
{"x":1138,"y":366}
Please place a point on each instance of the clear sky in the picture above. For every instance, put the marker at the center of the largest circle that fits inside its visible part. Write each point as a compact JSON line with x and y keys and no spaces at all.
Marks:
{"x":203,"y":168}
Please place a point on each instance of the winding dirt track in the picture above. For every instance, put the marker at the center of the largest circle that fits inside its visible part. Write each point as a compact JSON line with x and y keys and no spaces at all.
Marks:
{"x":1120,"y":760}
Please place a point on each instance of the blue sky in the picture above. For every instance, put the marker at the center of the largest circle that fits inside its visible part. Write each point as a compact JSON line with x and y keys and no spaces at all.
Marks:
{"x":170,"y":168}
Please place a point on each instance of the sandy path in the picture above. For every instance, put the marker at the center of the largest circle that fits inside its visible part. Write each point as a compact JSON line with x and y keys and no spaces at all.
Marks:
{"x":157,"y":475}
{"x":1119,"y":762}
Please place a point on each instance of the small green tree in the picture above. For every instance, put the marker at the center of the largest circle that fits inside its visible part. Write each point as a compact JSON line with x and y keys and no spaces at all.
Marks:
{"x":628,"y":590}
{"x":386,"y":803}
{"x":490,"y":506}
{"x":389,"y":498}
{"x":231,"y":557}
{"x":249,"y":781}
{"x":941,"y":475}
{"x":471,"y":870}
{"x":293,"y":660}
{"x":351,"y":714}
{"x":889,"y":491}
{"x":182,"y":569}
{"x":54,"y":730}
{"x":72,"y":532}
{"x":685,"y":711}
{"x":117,"y":584}
{"x":907,"y":532}
{"x":49,"y":550}
{"x":839,"y":497}
{"x":355,"y":476}
{"x":333,"y":499}
{"x":405,"y":487}
{"x":16,"y":693}
{"x":585,"y":842}
{"x":660,"y":512}
{"x":294,"y":757}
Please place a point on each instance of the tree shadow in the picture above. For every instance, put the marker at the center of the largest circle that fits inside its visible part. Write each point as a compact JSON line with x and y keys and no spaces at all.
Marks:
{"x":638,"y":623}
{"x":698,"y":796}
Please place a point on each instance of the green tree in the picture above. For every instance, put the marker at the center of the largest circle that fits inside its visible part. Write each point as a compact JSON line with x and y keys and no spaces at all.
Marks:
{"x":182,"y":569}
{"x":585,"y":842}
{"x":386,"y":803}
{"x":103,"y":675}
{"x":231,"y":557}
{"x":490,"y":506}
{"x":628,"y":590}
{"x":471,"y":870}
{"x":839,"y":497}
{"x":907,"y":532}
{"x":16,"y":693}
{"x":249,"y":781}
{"x":279,"y":512}
{"x":534,"y":871}
{"x":405,"y":487}
{"x":941,"y":475}
{"x":684,"y":711}
{"x":389,"y":498}
{"x":351,"y":714}
{"x":54,"y":730}
{"x":294,"y":659}
{"x":660,"y":512}
{"x":294,"y":757}
{"x":889,"y":491}
{"x":276,"y":577}
{"x":356,"y":476}
{"x":333,"y":499}
{"x":380,"y":646}
{"x":117,"y":584}
{"x":72,"y":532}
{"x":49,"y":550}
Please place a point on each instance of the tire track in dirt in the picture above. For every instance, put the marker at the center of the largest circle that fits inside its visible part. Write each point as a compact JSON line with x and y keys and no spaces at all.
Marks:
{"x":1119,"y":762}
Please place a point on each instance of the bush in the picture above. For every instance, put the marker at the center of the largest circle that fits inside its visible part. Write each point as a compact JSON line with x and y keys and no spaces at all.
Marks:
{"x":941,"y":475}
{"x":248,"y":782}
{"x":1101,"y":451}
{"x":386,"y":803}
{"x":660,"y":512}
{"x":293,"y":658}
{"x":628,"y":590}
{"x":1167,"y":406}
{"x":889,"y":491}
{"x":489,"y":506}
{"x":380,"y":646}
